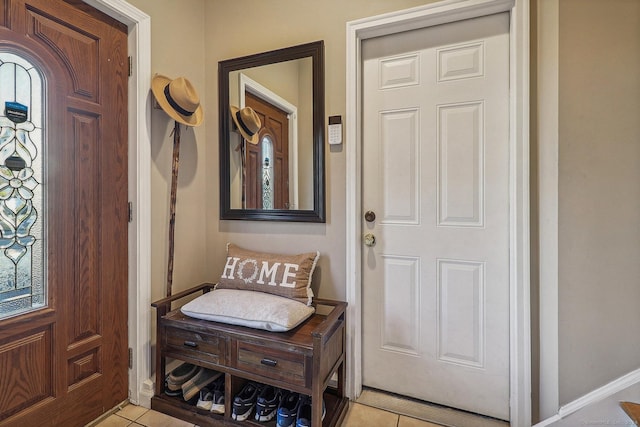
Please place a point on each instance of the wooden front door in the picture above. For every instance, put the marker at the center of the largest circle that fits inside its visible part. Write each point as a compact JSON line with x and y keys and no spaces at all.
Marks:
{"x":63,"y":213}
{"x":274,"y":133}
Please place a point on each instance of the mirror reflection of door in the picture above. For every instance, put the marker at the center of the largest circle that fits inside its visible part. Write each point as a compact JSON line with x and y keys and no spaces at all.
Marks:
{"x":266,"y":183}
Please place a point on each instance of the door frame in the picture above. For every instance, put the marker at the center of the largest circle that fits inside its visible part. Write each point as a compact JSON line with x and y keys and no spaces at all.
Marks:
{"x":519,"y":241}
{"x":139,"y":311}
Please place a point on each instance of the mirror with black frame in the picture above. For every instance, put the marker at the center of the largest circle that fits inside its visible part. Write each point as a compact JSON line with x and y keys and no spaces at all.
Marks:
{"x":272,"y":135}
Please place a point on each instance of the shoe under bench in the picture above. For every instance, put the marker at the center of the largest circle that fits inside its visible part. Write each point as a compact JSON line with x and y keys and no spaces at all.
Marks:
{"x":309,"y":359}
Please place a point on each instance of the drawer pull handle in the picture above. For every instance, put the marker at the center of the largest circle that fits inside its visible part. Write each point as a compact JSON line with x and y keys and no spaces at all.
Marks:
{"x":269,"y":362}
{"x":191,"y":344}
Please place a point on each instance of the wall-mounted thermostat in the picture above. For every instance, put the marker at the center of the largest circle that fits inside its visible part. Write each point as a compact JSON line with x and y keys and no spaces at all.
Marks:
{"x":335,"y":130}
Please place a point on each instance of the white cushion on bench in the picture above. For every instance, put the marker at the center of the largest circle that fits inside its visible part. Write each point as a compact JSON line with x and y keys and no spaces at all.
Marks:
{"x":249,"y":308}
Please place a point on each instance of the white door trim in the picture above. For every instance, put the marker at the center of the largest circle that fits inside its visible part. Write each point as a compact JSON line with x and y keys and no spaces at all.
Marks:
{"x":139,"y":44}
{"x":519,"y":263}
{"x":548,"y":158}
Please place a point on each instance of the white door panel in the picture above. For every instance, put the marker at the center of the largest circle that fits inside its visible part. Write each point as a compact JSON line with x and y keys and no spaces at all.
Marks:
{"x":435,"y":172}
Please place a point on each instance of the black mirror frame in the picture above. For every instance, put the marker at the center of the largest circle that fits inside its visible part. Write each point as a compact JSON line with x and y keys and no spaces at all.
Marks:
{"x":315,"y":50}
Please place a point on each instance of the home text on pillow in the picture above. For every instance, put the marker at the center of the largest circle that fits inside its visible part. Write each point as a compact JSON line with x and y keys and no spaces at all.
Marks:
{"x":268,"y":271}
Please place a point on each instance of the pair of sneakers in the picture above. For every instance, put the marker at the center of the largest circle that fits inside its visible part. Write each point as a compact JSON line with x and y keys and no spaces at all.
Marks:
{"x":212,"y":396}
{"x":295,"y":410}
{"x":264,"y":398}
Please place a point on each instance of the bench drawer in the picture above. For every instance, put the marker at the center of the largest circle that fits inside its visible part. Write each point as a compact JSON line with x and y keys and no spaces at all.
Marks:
{"x":278,"y":364}
{"x":205,"y":347}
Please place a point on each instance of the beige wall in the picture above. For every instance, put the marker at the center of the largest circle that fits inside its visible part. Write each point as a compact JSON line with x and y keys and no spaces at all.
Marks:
{"x":599,"y":193}
{"x":599,"y":237}
{"x":188,"y":38}
{"x":243,"y":27}
{"x":598,"y":200}
{"x":177,"y":43}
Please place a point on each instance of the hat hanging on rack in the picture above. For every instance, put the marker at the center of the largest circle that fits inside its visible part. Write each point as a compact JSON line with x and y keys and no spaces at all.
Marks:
{"x":248,"y":123}
{"x":178,"y":98}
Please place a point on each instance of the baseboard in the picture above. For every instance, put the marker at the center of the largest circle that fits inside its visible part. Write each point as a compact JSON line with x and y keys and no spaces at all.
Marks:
{"x":146,"y":393}
{"x":548,"y":421}
{"x":593,"y":397}
{"x":147,"y":389}
{"x":601,"y":393}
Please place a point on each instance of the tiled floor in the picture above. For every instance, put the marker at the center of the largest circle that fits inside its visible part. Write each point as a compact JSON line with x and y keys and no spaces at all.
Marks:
{"x":357,"y":416}
{"x":366,"y":416}
{"x":440,"y":415}
{"x":606,"y":412}
{"x":136,"y":416}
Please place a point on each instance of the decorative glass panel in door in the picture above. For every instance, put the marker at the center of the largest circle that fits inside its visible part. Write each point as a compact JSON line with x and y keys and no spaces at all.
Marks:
{"x":267,"y":172}
{"x":22,"y":272}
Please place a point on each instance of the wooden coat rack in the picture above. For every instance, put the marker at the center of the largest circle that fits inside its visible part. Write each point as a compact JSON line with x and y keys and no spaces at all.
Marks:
{"x":172,"y":203}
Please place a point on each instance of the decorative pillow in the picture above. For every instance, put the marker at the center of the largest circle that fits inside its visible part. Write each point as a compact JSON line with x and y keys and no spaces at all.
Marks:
{"x":285,"y":275}
{"x":246,"y":308}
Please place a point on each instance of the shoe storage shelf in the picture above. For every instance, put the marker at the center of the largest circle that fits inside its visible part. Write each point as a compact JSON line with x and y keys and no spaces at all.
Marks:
{"x":308,"y":360}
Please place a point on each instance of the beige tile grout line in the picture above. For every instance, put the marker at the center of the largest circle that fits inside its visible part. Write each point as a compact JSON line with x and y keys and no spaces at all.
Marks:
{"x":106,"y":415}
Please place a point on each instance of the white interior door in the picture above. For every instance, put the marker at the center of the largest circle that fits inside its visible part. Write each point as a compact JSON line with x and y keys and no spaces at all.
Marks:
{"x":435,"y":284}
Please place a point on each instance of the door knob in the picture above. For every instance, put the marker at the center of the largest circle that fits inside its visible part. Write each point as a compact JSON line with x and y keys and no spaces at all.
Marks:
{"x":370,"y":216}
{"x":369,"y":239}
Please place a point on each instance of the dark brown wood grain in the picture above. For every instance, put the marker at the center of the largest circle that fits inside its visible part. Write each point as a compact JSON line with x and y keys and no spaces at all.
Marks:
{"x":632,"y":410}
{"x":77,"y":368}
{"x":96,"y":14}
{"x":175,"y":166}
{"x":302,"y":360}
{"x":275,"y":125}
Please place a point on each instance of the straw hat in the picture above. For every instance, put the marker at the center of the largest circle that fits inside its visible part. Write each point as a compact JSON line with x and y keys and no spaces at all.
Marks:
{"x":178,"y":98}
{"x":248,"y":123}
